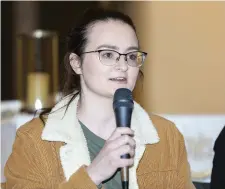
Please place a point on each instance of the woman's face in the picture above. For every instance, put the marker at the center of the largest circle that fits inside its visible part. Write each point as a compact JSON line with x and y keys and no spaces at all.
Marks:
{"x":101,"y":79}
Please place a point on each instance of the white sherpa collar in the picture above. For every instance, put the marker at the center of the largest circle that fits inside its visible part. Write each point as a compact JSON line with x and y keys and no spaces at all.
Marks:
{"x":64,"y":127}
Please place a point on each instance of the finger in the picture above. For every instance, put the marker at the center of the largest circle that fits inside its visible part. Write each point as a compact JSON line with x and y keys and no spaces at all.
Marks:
{"x":121,"y":131}
{"x":122,"y":140}
{"x":125,"y":149}
{"x":125,"y":162}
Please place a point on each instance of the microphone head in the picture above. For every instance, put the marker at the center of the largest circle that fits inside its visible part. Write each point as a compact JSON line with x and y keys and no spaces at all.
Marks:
{"x":123,"y":97}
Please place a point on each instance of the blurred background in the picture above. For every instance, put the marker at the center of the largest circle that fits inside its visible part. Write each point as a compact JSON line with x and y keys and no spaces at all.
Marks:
{"x":26,"y":17}
{"x":184,"y":73}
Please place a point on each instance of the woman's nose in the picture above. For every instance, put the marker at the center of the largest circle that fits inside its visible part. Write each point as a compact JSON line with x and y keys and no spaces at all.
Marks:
{"x":121,"y":63}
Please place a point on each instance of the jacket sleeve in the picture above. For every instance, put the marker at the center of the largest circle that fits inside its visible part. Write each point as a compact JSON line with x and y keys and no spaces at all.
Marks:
{"x":183,"y":172}
{"x":218,"y":170}
{"x":28,"y":168}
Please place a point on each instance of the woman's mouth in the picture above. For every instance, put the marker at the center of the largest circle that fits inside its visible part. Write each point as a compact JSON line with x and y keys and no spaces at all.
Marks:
{"x":119,"y":79}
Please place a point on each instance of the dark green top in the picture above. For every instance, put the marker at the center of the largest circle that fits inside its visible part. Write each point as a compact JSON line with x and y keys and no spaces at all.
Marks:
{"x":95,"y":144}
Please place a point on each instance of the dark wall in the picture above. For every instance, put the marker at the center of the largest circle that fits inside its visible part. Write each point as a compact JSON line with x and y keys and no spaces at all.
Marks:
{"x":6,"y":51}
{"x":59,"y":16}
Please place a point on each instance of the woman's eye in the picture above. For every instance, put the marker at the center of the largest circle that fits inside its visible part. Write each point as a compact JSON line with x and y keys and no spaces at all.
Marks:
{"x":133,"y":57}
{"x":108,"y":55}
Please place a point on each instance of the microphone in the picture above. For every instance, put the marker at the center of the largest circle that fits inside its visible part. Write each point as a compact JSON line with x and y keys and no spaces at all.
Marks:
{"x":123,"y":106}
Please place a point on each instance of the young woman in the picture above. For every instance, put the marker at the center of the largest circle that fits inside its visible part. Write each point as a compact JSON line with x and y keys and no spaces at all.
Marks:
{"x":77,"y":145}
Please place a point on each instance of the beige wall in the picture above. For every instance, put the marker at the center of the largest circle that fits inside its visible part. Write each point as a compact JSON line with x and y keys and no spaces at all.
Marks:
{"x":185,"y":68}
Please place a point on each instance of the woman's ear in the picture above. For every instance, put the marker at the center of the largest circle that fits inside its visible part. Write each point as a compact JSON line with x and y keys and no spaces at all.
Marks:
{"x":75,"y":63}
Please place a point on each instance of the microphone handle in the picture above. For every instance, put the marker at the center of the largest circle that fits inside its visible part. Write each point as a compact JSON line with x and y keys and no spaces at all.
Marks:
{"x":125,"y":177}
{"x":125,"y":173}
{"x":123,"y":119}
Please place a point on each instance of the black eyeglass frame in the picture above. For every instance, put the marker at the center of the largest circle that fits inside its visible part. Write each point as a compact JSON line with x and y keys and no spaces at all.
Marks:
{"x":120,"y":54}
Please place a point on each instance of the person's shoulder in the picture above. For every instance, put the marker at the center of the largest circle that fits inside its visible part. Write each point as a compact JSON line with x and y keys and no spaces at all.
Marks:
{"x":165,"y":128}
{"x":160,"y":120}
{"x":220,"y":141}
{"x":32,"y":128}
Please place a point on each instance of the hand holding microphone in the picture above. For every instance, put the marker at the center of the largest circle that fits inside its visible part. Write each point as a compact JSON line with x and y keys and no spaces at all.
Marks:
{"x":118,"y":151}
{"x":109,"y":158}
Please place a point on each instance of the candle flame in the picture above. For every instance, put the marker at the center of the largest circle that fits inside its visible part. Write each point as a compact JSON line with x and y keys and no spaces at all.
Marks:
{"x":38,"y":34}
{"x":38,"y":104}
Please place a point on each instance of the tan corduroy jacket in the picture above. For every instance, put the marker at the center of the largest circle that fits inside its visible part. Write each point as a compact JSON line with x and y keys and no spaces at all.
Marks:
{"x":53,"y":156}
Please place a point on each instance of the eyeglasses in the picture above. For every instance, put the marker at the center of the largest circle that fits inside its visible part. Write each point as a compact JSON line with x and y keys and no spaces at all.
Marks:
{"x":110,"y":57}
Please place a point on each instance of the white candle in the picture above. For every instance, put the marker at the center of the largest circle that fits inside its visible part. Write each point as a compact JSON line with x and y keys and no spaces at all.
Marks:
{"x":37,"y":88}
